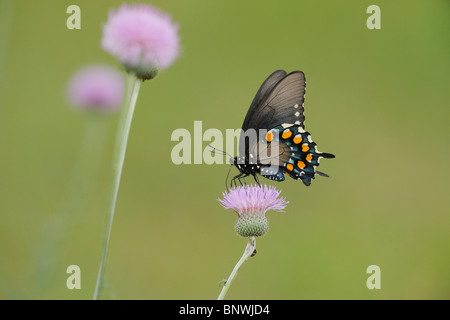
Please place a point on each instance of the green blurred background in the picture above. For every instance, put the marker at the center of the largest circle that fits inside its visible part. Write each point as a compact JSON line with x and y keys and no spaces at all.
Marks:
{"x":378,"y":99}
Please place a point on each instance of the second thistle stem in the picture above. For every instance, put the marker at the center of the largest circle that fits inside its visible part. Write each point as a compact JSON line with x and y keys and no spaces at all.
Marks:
{"x":249,"y":251}
{"x":126,"y":117}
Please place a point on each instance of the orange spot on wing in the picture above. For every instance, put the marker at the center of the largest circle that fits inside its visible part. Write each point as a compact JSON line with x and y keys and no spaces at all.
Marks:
{"x":297,"y":139}
{"x":309,"y":157}
{"x":286,"y":134}
{"x":269,"y":136}
{"x":305,"y":147}
{"x":301,"y":164}
{"x":290,"y":167}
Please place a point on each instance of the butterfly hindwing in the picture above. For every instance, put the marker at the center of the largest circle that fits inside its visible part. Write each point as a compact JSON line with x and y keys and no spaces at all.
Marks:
{"x":292,"y":150}
{"x":272,"y":173}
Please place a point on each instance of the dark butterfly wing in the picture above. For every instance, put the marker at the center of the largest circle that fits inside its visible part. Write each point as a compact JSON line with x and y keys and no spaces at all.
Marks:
{"x":283,"y":104}
{"x":262,"y":94}
{"x":302,"y":156}
{"x":273,"y":154}
{"x":282,"y":147}
{"x":288,"y":151}
{"x":271,"y":157}
{"x":278,"y":101}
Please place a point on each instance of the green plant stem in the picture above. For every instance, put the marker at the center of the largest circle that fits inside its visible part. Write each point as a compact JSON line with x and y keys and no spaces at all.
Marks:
{"x":126,"y":117}
{"x":71,"y":210}
{"x":6,"y":21}
{"x":249,"y":251}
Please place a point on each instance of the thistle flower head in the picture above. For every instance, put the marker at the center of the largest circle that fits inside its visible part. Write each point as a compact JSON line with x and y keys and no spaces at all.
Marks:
{"x":143,"y":38}
{"x":96,"y":87}
{"x":251,"y":204}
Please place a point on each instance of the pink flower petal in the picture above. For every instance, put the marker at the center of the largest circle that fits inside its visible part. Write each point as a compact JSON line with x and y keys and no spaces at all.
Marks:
{"x":251,"y":198}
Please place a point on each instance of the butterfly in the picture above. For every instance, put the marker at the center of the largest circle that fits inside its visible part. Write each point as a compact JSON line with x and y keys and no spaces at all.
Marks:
{"x":273,"y":141}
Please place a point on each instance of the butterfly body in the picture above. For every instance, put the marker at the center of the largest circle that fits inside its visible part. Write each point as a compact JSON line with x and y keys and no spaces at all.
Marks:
{"x":280,"y":145}
{"x":247,"y":168}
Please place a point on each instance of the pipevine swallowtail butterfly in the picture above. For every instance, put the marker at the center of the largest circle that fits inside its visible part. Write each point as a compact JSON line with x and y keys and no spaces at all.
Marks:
{"x":277,"y":120}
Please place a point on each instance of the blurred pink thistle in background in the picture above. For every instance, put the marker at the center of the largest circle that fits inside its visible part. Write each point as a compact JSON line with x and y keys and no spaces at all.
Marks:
{"x":98,"y":88}
{"x":143,"y":38}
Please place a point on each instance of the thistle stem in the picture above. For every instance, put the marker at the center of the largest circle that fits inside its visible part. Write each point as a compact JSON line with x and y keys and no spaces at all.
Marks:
{"x":249,"y":251}
{"x":126,"y":117}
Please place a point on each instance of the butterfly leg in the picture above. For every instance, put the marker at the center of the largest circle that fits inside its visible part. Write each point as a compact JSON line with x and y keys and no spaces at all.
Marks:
{"x":257,"y":179}
{"x":234,"y":180}
{"x":243,"y":179}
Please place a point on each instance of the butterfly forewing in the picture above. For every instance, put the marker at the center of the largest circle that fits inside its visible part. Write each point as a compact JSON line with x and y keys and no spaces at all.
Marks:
{"x":284,"y":104}
{"x":278,"y":101}
{"x":262,"y":94}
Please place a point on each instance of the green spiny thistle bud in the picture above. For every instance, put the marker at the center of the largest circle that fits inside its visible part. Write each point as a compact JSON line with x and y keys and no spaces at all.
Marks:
{"x":252,"y":224}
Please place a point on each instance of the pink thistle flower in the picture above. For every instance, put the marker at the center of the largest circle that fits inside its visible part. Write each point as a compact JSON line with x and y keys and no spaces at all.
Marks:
{"x":142,"y":37}
{"x":251,"y":204}
{"x":96,"y":87}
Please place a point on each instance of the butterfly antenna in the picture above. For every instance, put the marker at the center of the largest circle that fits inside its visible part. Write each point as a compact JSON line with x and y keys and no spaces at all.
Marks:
{"x":229,"y":170}
{"x":214,"y":149}
{"x":226,"y":180}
